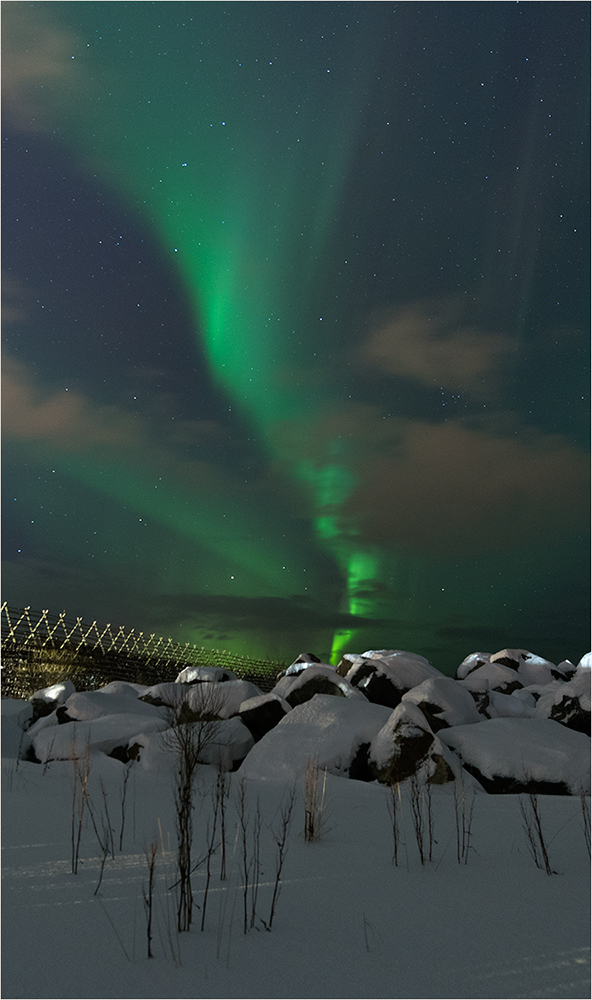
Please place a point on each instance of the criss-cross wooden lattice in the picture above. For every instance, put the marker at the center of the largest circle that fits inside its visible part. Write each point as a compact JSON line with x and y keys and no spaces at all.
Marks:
{"x":24,"y":629}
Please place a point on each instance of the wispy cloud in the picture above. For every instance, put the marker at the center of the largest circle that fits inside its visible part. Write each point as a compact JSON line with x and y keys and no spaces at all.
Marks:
{"x":431,"y":343}
{"x":38,"y":58}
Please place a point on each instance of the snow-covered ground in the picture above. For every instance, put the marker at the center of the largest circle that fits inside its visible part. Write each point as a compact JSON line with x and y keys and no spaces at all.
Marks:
{"x":348,"y":923}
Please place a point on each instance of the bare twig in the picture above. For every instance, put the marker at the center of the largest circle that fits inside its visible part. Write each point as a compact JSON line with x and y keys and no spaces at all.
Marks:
{"x":418,"y":817}
{"x":586,"y":818}
{"x":150,"y":853}
{"x":393,"y":805}
{"x":314,"y":802}
{"x":128,"y":770}
{"x":187,"y":741}
{"x":280,"y":835}
{"x":529,"y":807}
{"x":463,"y":812}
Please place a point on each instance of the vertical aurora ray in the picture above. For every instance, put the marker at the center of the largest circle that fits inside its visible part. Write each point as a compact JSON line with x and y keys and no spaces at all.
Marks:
{"x":239,"y":163}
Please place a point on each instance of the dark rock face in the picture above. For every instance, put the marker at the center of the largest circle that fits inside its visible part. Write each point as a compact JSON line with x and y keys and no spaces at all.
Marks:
{"x":499,"y":784}
{"x":347,"y":661}
{"x":316,"y":685}
{"x":433,"y":716}
{"x":302,"y":661}
{"x":492,"y":677}
{"x":569,"y":712}
{"x":511,"y":658}
{"x":359,"y":769}
{"x":296,"y":687}
{"x":263,"y":714}
{"x":444,"y":702}
{"x":564,"y":671}
{"x":374,"y":679}
{"x":46,"y":700}
{"x":568,"y":703}
{"x":401,"y":746}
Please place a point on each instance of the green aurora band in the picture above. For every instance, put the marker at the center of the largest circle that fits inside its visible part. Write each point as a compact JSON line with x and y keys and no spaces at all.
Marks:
{"x":241,"y":175}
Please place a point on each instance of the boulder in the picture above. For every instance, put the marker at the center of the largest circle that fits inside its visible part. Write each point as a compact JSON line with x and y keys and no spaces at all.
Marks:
{"x":229,"y":747}
{"x":86,"y":705}
{"x":564,"y":671}
{"x":302,"y":661}
{"x":523,"y":755}
{"x":492,"y":677}
{"x":327,"y":729}
{"x":104,"y":734}
{"x":347,"y":661}
{"x":385,"y":678}
{"x":568,"y":703}
{"x":124,"y":688}
{"x":470,"y":663}
{"x":262,"y":713}
{"x":406,"y":746}
{"x":510,"y":706}
{"x":444,"y":702}
{"x":211,"y":700}
{"x":531,"y":669}
{"x":200,"y":675}
{"x":46,"y":700}
{"x":314,"y":679}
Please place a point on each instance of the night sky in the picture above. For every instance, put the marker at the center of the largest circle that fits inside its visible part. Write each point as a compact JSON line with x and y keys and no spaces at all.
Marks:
{"x":296,"y":323}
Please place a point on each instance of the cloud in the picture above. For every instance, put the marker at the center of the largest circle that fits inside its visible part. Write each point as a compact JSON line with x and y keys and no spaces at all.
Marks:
{"x":258,"y":614}
{"x":61,"y":417}
{"x":429,"y":342}
{"x":38,"y":59}
{"x":451,"y":487}
{"x":443,"y":488}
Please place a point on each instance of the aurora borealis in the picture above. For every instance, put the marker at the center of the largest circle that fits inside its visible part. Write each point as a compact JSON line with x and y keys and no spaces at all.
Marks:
{"x":296,"y":335}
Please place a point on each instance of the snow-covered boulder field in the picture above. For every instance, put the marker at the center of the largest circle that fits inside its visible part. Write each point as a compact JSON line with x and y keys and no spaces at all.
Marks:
{"x":510,"y":721}
{"x":430,"y":835}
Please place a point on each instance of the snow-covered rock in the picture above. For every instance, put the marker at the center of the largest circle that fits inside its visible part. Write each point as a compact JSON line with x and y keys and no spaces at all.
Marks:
{"x":190,"y":702}
{"x":444,"y":702}
{"x":470,"y":663}
{"x":385,"y":675}
{"x":510,"y":706}
{"x":230,"y":745}
{"x":233,"y":694}
{"x":200,"y":675}
{"x":531,"y":669}
{"x":514,"y":755}
{"x":326,"y":728}
{"x":317,"y":678}
{"x":55,"y":694}
{"x":45,"y":700}
{"x":406,"y":746}
{"x":568,"y":703}
{"x":492,"y":677}
{"x":104,"y":734}
{"x":86,"y":705}
{"x":262,"y":713}
{"x":125,"y":689}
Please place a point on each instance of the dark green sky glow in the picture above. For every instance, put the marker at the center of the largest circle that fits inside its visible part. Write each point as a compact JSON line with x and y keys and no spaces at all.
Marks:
{"x":296,"y":322}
